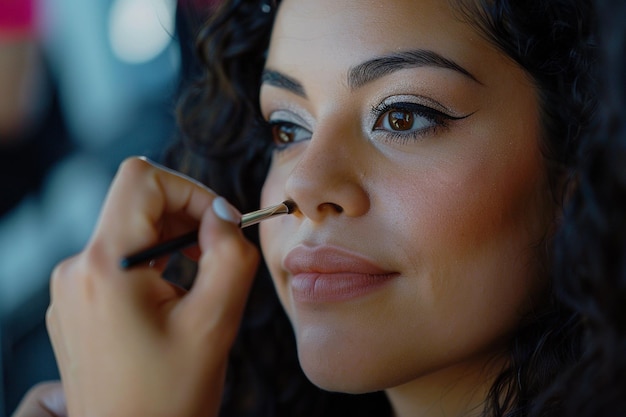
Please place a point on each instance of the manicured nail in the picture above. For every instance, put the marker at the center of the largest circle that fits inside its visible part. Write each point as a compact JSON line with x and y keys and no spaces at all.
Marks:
{"x":148,"y":160}
{"x":225,"y":211}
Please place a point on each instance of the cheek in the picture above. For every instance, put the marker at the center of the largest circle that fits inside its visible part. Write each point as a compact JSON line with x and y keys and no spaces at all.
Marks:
{"x":468,"y":243}
{"x":471,"y":225}
{"x":273,"y":191}
{"x":492,"y":196}
{"x":271,"y":232}
{"x":282,"y":165}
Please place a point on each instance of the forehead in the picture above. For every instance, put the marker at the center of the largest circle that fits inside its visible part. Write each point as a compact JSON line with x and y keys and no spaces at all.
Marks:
{"x":349,"y":31}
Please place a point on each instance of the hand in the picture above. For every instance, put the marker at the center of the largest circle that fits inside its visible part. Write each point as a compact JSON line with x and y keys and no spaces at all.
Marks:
{"x":43,"y":400}
{"x":129,"y":343}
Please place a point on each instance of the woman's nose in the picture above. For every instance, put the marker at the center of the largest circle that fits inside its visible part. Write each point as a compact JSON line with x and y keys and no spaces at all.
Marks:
{"x":328,"y":179}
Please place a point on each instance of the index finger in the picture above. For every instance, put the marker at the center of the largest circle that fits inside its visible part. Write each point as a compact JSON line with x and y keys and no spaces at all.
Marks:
{"x":146,"y":202}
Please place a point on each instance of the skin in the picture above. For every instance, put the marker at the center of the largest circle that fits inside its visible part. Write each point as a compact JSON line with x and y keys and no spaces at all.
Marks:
{"x":454,"y":214}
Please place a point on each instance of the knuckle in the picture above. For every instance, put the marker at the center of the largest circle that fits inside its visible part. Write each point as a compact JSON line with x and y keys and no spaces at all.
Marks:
{"x":134,"y":166}
{"x":60,"y":274}
{"x":50,"y":318}
{"x":94,"y":256}
{"x":137,"y":180}
{"x":41,"y":389}
{"x":74,"y":276}
{"x":135,"y":169}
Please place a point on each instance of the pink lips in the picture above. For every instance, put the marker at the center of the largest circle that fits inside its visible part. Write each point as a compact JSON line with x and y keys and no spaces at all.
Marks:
{"x":326,"y":273}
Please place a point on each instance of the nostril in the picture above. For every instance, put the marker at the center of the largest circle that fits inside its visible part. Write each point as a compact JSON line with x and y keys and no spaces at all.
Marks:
{"x":332,"y":206}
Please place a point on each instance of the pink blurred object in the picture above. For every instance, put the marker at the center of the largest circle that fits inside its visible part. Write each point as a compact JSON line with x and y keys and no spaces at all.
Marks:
{"x":17,"y":18}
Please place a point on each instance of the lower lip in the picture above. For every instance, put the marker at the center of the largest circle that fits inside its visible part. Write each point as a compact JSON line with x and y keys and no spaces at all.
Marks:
{"x":313,"y":287}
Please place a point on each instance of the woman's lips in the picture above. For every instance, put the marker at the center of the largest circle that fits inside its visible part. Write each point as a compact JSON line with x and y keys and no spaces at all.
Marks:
{"x":327,"y":273}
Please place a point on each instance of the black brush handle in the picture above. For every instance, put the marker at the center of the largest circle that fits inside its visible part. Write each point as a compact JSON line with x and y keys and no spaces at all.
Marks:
{"x":162,"y":249}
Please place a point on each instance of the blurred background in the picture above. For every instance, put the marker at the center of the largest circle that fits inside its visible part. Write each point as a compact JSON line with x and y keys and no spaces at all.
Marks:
{"x":83,"y":85}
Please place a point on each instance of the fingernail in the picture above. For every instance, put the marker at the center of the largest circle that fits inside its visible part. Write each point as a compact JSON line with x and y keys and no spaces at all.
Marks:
{"x":146,"y":159}
{"x":225,"y":211}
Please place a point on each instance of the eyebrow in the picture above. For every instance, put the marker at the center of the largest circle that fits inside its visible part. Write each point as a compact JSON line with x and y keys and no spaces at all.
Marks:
{"x":376,"y":68}
{"x":280,"y":80}
{"x":373,"y":69}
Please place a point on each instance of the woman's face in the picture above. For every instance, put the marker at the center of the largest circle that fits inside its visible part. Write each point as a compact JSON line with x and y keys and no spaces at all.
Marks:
{"x":411,"y":147}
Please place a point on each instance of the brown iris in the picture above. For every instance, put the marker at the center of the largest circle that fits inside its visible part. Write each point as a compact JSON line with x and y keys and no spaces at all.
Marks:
{"x":400,"y":120}
{"x":283,"y":134}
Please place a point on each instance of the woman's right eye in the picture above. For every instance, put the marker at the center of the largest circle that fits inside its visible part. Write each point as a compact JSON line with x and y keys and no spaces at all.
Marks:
{"x":287,"y":133}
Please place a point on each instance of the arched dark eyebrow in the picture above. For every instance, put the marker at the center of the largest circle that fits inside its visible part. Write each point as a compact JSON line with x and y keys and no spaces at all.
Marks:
{"x":280,"y":80}
{"x":373,"y":69}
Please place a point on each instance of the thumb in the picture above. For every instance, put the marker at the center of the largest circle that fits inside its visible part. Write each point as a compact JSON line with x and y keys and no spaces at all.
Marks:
{"x":226,"y":270}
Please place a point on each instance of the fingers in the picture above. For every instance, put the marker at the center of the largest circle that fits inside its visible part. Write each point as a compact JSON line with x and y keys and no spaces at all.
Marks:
{"x":225,"y":272}
{"x":145,"y":200}
{"x":110,"y":326}
{"x":146,"y":204}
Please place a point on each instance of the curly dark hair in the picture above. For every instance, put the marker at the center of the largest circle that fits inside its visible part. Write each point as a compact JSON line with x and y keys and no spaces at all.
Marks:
{"x":224,"y":143}
{"x":590,"y":259}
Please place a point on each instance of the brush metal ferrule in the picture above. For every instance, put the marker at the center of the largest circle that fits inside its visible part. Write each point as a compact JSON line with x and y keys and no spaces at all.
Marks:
{"x":258,"y":216}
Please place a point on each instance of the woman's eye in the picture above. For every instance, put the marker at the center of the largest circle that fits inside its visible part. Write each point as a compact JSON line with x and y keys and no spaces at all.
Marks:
{"x":286,"y":133}
{"x":408,"y":118}
{"x":399,"y":120}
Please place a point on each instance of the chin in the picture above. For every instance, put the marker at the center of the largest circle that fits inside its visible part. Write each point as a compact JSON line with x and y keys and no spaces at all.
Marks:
{"x":334,"y":382}
{"x":348,"y":374}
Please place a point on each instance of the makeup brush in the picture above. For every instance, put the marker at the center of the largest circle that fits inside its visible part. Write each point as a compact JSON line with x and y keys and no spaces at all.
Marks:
{"x":170,"y":246}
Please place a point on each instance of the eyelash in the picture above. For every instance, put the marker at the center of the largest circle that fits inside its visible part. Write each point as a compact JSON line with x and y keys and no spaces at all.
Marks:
{"x":278,"y":126}
{"x":437,"y":118}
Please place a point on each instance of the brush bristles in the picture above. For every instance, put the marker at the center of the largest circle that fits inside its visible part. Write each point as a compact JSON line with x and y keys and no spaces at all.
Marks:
{"x":291,"y":206}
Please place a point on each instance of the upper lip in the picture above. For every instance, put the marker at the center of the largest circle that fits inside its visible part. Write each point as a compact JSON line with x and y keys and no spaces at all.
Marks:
{"x":329,"y":260}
